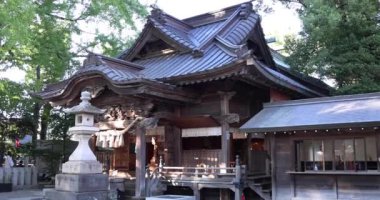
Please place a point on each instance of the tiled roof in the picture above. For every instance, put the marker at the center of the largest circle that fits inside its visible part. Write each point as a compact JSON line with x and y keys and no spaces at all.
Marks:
{"x":205,"y":43}
{"x":322,"y":113}
{"x":176,"y":65}
{"x":202,"y":33}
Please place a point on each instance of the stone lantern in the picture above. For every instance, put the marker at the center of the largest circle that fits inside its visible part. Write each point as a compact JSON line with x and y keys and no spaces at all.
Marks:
{"x":83,"y":160}
{"x":81,"y":176}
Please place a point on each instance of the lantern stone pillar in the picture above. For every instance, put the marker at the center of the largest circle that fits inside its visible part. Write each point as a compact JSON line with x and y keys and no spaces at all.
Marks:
{"x":81,"y":176}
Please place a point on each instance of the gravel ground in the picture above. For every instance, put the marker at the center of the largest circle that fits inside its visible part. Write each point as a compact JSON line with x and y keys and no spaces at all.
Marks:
{"x":22,"y":195}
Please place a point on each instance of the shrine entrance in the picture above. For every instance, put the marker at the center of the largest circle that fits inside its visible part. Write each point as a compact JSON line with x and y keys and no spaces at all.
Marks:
{"x":115,"y":143}
{"x":121,"y":161}
{"x":258,"y":156}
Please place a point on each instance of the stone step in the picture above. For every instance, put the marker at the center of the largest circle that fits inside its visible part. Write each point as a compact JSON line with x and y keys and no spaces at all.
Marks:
{"x":267,"y":191}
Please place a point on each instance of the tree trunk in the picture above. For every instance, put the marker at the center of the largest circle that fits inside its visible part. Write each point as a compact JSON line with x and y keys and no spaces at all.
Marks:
{"x":44,"y":120}
{"x":36,"y":114}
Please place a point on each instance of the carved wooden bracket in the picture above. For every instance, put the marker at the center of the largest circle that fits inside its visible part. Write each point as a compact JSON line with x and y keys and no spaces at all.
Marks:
{"x":228,"y":118}
{"x":148,"y":123}
{"x":227,"y":95}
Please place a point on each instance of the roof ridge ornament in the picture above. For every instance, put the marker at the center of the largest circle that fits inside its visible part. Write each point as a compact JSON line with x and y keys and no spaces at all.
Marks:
{"x":245,"y":10}
{"x":197,"y":53}
{"x":158,"y":14}
{"x":92,"y":59}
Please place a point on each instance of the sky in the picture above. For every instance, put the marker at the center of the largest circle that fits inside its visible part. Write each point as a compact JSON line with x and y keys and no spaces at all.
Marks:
{"x":282,"y":21}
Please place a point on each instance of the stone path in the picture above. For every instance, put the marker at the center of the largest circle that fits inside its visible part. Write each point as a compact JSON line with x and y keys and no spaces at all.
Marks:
{"x":22,"y":195}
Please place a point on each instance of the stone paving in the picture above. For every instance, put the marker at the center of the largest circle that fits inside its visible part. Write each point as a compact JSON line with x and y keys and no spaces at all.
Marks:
{"x":34,"y":194}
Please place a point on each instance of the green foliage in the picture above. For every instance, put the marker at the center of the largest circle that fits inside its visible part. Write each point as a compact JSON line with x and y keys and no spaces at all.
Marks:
{"x":59,"y":124}
{"x":37,"y":36}
{"x":341,"y":42}
{"x":13,"y":115}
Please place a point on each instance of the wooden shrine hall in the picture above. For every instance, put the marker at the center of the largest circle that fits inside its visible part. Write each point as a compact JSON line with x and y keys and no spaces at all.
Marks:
{"x":180,"y":93}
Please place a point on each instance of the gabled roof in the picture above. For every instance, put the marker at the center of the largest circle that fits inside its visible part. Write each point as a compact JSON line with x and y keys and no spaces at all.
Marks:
{"x":206,"y":47}
{"x":317,"y":113}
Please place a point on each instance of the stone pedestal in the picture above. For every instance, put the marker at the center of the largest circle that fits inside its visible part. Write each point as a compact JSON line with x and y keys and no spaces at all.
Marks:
{"x":81,"y":177}
{"x":81,"y":182}
{"x":64,"y":195}
{"x":79,"y":187}
{"x":82,"y":167}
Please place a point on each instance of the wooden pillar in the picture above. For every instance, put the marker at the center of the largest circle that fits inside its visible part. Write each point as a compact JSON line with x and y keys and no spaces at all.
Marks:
{"x":273,"y":165}
{"x":225,"y":111}
{"x":238,"y":194}
{"x":238,"y":178}
{"x":140,"y":161}
{"x":249,"y":152}
{"x":196,"y":192}
{"x":145,"y":123}
{"x":226,"y":140}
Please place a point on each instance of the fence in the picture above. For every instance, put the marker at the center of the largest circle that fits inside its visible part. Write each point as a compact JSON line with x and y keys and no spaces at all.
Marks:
{"x":20,"y":177}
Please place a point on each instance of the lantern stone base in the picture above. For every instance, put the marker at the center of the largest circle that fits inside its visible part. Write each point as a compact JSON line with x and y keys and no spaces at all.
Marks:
{"x":81,"y":182}
{"x":51,"y":194}
{"x":82,"y":167}
{"x":78,"y":187}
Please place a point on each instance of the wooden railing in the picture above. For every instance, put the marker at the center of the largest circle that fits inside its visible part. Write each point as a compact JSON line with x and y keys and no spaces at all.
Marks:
{"x":213,"y":177}
{"x":202,"y":173}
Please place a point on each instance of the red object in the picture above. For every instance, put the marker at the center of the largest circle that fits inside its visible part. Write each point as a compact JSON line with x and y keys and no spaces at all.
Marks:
{"x":242,"y":197}
{"x":18,"y":143}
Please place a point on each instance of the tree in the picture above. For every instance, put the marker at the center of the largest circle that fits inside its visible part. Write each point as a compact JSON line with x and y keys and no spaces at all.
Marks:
{"x":37,"y":36}
{"x":12,"y":114}
{"x":341,"y":42}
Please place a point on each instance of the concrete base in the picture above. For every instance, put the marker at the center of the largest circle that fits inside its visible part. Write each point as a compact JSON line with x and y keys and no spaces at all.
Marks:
{"x":52,"y":194}
{"x":82,"y":167}
{"x":81,"y":182}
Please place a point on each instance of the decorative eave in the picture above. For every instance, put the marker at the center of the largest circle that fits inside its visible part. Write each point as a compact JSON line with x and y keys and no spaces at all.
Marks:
{"x":262,"y":70}
{"x":98,"y":59}
{"x":153,"y":27}
{"x":311,"y":82}
{"x":136,"y":87}
{"x":258,"y":35}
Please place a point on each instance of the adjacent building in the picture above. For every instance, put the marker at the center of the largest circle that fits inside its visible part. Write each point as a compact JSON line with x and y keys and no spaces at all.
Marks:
{"x":323,"y":148}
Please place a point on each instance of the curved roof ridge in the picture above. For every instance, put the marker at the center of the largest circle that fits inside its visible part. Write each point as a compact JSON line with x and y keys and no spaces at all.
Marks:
{"x":216,"y":15}
{"x":164,"y":17}
{"x":284,"y":80}
{"x":141,"y":40}
{"x":173,"y":35}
